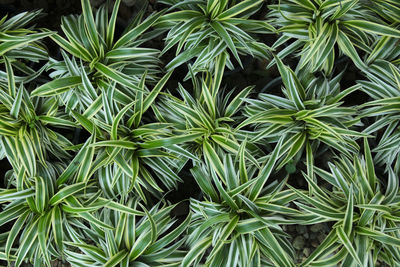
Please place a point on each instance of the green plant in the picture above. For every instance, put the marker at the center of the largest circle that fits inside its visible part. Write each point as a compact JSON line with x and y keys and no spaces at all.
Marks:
{"x":112,"y":153}
{"x":93,"y":40}
{"x":130,"y":241}
{"x":25,"y":134}
{"x":317,"y":26}
{"x":43,"y":206}
{"x":365,"y":214}
{"x":384,"y":88}
{"x":309,"y":114}
{"x":20,"y":44}
{"x":206,"y":29}
{"x":209,"y":115}
{"x":240,"y":213}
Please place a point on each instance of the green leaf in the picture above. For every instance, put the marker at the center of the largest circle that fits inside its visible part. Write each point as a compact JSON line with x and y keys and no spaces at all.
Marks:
{"x":15,"y":231}
{"x":10,"y":45}
{"x":56,"y":121}
{"x":26,"y":151}
{"x":170,"y":237}
{"x":238,"y":9}
{"x":43,"y":232}
{"x":196,"y":251}
{"x":265,"y":172}
{"x":347,"y":244}
{"x":148,"y":101}
{"x":112,"y":23}
{"x":370,"y":165}
{"x":86,"y":123}
{"x":348,"y":217}
{"x":10,"y":78}
{"x":116,"y":143}
{"x":27,"y":242}
{"x":122,"y":208}
{"x":296,"y":91}
{"x":224,"y":35}
{"x":131,"y":53}
{"x":66,"y":192}
{"x":234,"y":105}
{"x":213,"y":158}
{"x":116,"y":76}
{"x":116,"y":120}
{"x":372,"y":27}
{"x":229,"y":228}
{"x":378,"y":236}
{"x":57,"y":86}
{"x":348,"y":49}
{"x":90,"y":23}
{"x":116,"y":259}
{"x":41,"y":194}
{"x":166,"y":142}
{"x":9,"y":195}
{"x":134,"y":34}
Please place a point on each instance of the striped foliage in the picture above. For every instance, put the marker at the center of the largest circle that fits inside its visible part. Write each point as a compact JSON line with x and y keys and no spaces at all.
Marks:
{"x":200,"y":133}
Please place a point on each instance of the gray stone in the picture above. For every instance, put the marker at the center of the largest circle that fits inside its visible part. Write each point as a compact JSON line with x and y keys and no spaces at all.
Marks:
{"x":298,"y":242}
{"x":306,"y":252}
{"x":313,"y":235}
{"x":291,"y":228}
{"x":129,"y":2}
{"x":316,"y":227}
{"x":314,"y":243}
{"x":306,"y":235}
{"x":301,"y":229}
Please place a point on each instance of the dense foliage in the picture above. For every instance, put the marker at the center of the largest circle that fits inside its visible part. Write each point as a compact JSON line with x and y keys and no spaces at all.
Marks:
{"x":110,"y":138}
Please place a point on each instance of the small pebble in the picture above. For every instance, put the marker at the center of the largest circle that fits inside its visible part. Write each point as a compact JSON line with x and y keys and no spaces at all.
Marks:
{"x":306,"y":252}
{"x":314,"y":243}
{"x":306,"y":235}
{"x":96,"y":3}
{"x":129,"y":3}
{"x":316,"y":227}
{"x":301,"y":229}
{"x":298,"y":242}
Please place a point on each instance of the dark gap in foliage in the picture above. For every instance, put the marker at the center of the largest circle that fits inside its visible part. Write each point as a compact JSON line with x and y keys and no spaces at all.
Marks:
{"x":4,"y":167}
{"x":186,"y":190}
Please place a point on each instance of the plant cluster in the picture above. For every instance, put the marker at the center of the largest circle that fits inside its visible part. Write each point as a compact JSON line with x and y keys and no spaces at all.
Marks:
{"x":102,"y":133}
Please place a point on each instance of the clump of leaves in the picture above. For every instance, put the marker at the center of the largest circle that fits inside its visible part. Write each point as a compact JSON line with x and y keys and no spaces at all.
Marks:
{"x":209,"y":114}
{"x":131,"y":240}
{"x":206,"y":29}
{"x":103,"y":143}
{"x":316,"y":27}
{"x":241,"y":212}
{"x":25,"y":134}
{"x":309,"y":113}
{"x":43,"y":207}
{"x":384,"y":89}
{"x":364,"y":211}
{"x":92,"y":39}
{"x":20,"y":43}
